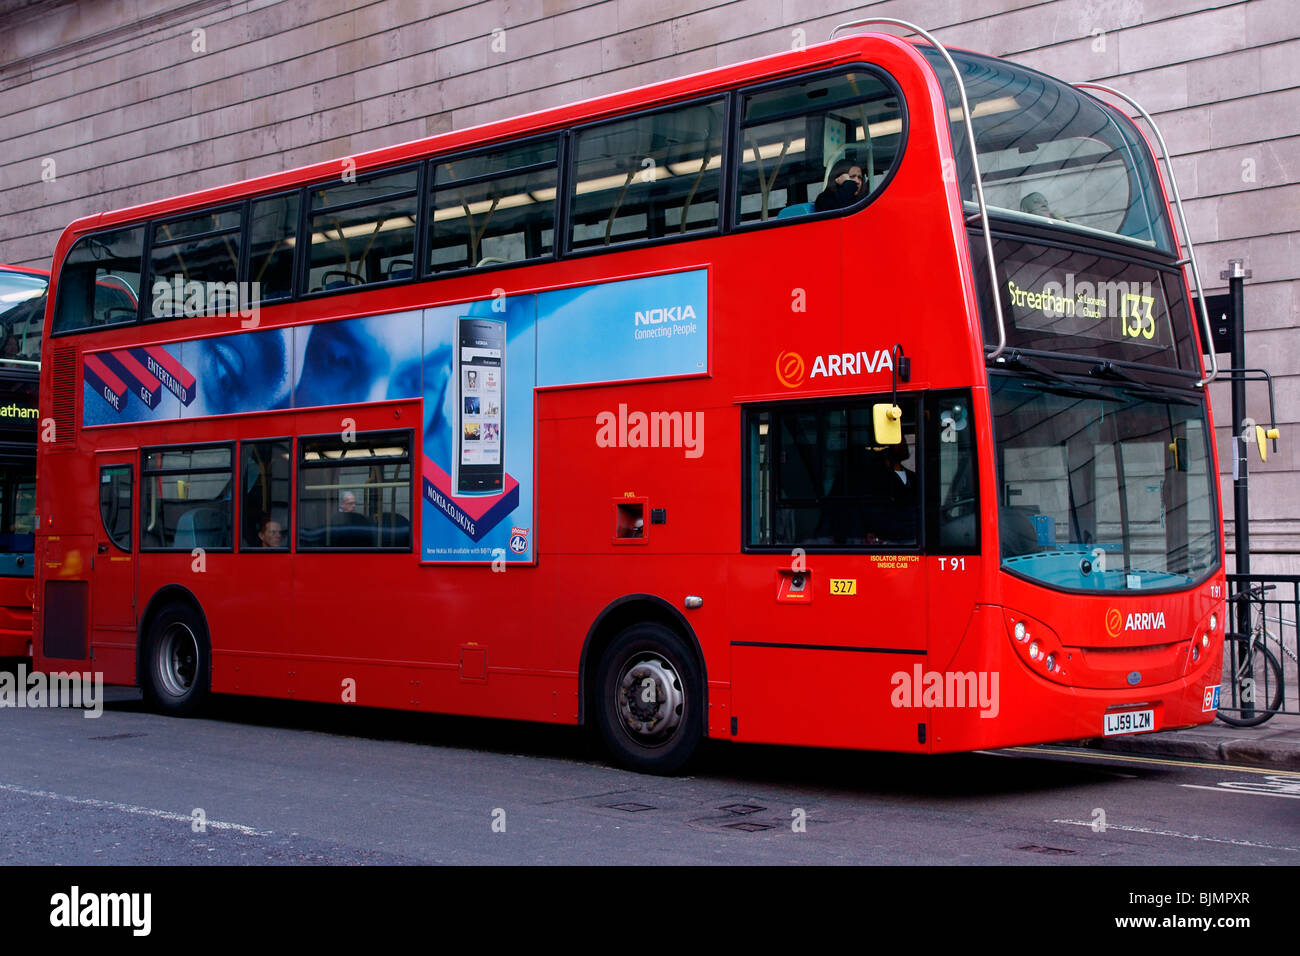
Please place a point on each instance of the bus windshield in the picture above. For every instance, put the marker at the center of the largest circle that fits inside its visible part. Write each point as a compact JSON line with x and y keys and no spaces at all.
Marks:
{"x":1051,"y":154}
{"x":22,"y":313}
{"x":1102,"y":488}
{"x":17,"y":517}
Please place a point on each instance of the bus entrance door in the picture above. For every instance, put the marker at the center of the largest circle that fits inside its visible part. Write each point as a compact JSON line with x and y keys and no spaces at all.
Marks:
{"x":112,"y":600}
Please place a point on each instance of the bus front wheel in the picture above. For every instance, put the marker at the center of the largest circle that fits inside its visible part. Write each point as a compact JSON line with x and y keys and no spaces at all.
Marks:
{"x":651,"y":699}
{"x":176,"y":661}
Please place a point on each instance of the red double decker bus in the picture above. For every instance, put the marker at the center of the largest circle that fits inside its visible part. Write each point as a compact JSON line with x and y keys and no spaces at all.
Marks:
{"x":22,"y":317}
{"x":848,"y":397}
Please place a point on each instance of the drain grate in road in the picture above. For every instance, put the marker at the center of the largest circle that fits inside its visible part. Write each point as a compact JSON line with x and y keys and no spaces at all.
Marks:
{"x":742,"y":809}
{"x":749,"y":827}
{"x":629,"y":807}
{"x":1049,"y":850}
{"x":119,"y":736}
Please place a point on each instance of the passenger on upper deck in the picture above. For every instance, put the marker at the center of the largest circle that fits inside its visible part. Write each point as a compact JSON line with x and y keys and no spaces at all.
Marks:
{"x":844,"y":187}
{"x":1036,"y":204}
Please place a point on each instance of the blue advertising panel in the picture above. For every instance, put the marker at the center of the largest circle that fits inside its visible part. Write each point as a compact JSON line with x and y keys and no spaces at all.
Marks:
{"x":653,"y":327}
{"x":477,"y":487}
{"x":475,"y":365}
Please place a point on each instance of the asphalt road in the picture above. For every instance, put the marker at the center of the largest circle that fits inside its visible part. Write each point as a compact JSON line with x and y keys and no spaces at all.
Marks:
{"x":283,"y":783}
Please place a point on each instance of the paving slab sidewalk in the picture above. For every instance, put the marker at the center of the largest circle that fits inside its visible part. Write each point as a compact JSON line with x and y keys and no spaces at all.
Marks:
{"x":1275,"y":743}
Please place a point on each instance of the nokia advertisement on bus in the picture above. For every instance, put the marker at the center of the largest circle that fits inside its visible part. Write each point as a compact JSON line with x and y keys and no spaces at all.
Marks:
{"x":478,"y":466}
{"x":468,"y":362}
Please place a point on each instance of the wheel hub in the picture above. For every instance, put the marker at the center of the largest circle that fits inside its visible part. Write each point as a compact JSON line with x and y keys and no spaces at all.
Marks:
{"x":650,"y":699}
{"x":178,"y":655}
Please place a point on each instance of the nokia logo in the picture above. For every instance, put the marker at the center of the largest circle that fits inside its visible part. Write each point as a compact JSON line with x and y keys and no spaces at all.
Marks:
{"x":673,"y":313}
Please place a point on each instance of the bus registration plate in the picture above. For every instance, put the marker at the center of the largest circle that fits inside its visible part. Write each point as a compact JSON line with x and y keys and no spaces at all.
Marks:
{"x":1131,"y":722}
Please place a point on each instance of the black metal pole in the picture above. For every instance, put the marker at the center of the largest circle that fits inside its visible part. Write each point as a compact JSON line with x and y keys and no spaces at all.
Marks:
{"x":1236,"y":276}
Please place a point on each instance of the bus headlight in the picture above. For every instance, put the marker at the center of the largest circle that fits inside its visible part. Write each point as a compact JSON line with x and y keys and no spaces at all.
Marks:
{"x":1021,"y":631}
{"x":1196,"y":653}
{"x":1033,"y":651}
{"x":1050,"y":662}
{"x":1214,"y":621}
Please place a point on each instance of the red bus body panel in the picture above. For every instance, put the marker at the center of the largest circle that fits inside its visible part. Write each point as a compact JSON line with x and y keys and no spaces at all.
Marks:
{"x":465,"y":640}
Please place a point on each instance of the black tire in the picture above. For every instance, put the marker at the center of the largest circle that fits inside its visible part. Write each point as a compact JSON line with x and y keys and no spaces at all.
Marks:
{"x":1266,"y":673}
{"x":175,"y":663}
{"x":650,"y":707}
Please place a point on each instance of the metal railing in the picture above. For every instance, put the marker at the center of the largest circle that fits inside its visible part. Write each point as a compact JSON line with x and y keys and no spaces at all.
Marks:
{"x":1272,"y":616}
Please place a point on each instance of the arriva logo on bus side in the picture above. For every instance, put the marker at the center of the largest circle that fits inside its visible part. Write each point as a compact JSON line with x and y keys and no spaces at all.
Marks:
{"x":791,"y":368}
{"x":1136,"y":621}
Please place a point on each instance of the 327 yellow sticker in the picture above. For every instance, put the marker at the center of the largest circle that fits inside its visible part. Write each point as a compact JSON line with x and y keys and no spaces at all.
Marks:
{"x":844,"y":585}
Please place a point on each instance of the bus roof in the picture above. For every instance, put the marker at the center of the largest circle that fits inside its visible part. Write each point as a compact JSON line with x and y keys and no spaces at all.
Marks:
{"x":663,"y":92}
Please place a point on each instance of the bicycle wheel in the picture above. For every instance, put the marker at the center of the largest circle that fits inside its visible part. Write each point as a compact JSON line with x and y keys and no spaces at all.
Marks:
{"x":1253,"y":684}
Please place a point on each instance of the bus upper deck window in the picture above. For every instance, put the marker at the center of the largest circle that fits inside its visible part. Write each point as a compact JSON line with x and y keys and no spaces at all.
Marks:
{"x":202,"y":248}
{"x":648,"y":177}
{"x":100,"y":281}
{"x":22,"y":314}
{"x":816,"y":145}
{"x":493,"y":207}
{"x":361,"y":230}
{"x":272,"y":227}
{"x":1051,"y":155}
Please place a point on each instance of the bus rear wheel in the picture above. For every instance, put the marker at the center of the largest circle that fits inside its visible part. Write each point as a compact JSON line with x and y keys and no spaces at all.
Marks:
{"x":651,"y":699}
{"x":176,"y":661}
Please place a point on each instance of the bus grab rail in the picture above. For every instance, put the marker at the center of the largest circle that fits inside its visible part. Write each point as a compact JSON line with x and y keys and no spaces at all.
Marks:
{"x":974,"y":157}
{"x":1182,"y":222}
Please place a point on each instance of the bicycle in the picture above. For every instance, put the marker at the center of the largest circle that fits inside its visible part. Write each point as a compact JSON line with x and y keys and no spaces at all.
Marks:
{"x":1250,"y":669}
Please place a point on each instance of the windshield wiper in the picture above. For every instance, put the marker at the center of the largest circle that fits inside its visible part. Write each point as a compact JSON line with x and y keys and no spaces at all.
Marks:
{"x":1112,"y":371}
{"x":1056,"y":384}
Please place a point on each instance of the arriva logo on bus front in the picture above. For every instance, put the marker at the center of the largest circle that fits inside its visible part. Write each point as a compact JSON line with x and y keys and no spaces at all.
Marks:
{"x":1136,"y":621}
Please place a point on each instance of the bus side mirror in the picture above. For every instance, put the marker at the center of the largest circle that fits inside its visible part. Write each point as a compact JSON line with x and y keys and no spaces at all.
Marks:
{"x":888,"y":422}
